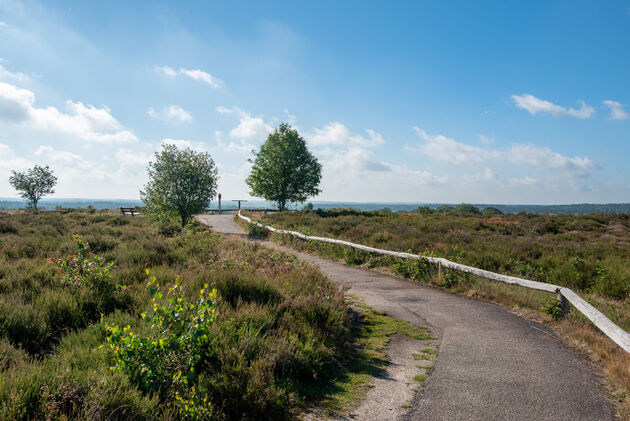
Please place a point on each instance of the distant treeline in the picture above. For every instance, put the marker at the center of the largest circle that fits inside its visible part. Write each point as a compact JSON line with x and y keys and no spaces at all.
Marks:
{"x":576,"y":209}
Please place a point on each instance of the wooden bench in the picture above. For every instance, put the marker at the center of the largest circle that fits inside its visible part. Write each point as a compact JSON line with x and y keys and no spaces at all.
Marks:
{"x":129,"y":211}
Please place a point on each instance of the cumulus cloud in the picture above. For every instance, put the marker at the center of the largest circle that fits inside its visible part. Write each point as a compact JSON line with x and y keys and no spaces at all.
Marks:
{"x":544,"y":158}
{"x":171,"y":113}
{"x":62,"y":157}
{"x":184,"y":143}
{"x":195,"y":74}
{"x":338,"y":134}
{"x":443,"y":149}
{"x":6,"y":74}
{"x":617,"y":111}
{"x":248,"y":127}
{"x":354,"y":159}
{"x":9,"y":161}
{"x":536,"y":105}
{"x":85,"y":122}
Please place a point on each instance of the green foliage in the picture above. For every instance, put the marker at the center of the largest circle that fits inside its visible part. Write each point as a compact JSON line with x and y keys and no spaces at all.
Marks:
{"x":308,"y":207}
{"x":284,"y":170}
{"x":84,"y":268}
{"x":466,"y":209}
{"x":33,"y":184}
{"x":88,"y":274}
{"x":584,"y":252}
{"x":181,"y":184}
{"x":166,"y":361}
{"x":416,"y":269}
{"x":257,"y":232}
{"x":553,"y":309}
{"x":424,"y":210}
{"x":280,"y":332}
{"x":490,"y":210}
{"x":444,"y":209}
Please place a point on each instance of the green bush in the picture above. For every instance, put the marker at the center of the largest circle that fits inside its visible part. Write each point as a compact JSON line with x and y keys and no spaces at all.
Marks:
{"x":257,"y":232}
{"x":416,"y":269}
{"x":166,"y":361}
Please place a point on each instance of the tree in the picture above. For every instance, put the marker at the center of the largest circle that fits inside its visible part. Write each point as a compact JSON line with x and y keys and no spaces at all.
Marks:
{"x":491,"y":210}
{"x":466,"y":209}
{"x":34,"y":184}
{"x":284,"y":170}
{"x":181,"y":183}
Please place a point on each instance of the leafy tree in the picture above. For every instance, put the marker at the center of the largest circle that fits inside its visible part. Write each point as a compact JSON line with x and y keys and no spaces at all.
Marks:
{"x":444,"y":209}
{"x":33,"y":184}
{"x":284,"y":170}
{"x":424,"y":210}
{"x":466,"y":209}
{"x":491,"y":210}
{"x":181,"y":183}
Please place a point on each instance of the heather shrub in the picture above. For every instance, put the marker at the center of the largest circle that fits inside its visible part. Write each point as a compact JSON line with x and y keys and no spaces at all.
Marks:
{"x":280,"y":326}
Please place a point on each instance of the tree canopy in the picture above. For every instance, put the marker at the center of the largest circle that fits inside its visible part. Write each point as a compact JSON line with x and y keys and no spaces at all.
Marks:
{"x":181,"y":183}
{"x":284,"y":170}
{"x":33,"y":184}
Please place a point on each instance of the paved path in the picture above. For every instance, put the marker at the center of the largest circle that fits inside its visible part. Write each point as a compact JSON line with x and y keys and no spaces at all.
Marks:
{"x":492,"y":365}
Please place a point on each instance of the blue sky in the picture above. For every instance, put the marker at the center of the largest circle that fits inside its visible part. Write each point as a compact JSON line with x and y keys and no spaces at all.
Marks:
{"x":486,"y":102}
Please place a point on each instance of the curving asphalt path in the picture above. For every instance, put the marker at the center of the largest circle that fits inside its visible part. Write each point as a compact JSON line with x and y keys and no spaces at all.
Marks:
{"x":492,"y":365}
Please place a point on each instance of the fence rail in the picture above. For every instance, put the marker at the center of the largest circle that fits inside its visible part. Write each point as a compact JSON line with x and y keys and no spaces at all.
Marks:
{"x":565,"y":295}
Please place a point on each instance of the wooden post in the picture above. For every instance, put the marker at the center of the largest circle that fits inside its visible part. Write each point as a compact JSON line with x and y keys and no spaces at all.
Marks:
{"x":565,"y":307}
{"x":219,"y":203}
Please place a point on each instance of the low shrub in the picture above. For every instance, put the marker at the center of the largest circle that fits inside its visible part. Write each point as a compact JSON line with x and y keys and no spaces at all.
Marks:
{"x":166,"y":361}
{"x":257,"y":232}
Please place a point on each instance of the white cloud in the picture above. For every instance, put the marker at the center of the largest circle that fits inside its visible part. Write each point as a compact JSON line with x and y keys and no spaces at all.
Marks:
{"x":536,"y":105}
{"x":8,"y":161}
{"x":524,"y":181}
{"x":62,"y":157}
{"x":183,"y":143}
{"x":17,"y":76}
{"x":168,"y":71}
{"x":442,"y":149}
{"x":291,"y":119}
{"x":214,"y":82}
{"x":85,"y":122}
{"x":355,"y":159}
{"x":617,"y":111}
{"x":200,"y":75}
{"x":356,"y":174}
{"x":175,"y":112}
{"x":544,"y":158}
{"x":337,"y":134}
{"x":248,"y":127}
{"x":131,"y":159}
{"x":171,"y":113}
{"x":486,"y":140}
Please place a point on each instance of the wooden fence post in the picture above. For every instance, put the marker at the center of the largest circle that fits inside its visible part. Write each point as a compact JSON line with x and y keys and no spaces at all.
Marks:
{"x":565,"y":307}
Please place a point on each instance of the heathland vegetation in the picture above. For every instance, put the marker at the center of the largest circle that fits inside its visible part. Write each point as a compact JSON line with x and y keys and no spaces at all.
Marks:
{"x":587,"y":253}
{"x":110,"y":317}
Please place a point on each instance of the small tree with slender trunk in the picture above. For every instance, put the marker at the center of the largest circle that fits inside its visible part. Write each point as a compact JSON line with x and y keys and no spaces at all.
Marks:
{"x":33,"y":184}
{"x":284,"y":170}
{"x":181,"y":183}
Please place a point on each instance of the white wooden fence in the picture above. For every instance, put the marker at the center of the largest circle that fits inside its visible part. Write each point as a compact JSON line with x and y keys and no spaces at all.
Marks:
{"x":565,"y":295}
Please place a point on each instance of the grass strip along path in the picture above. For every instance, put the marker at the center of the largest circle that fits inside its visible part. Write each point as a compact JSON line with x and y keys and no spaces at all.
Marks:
{"x":492,"y":363}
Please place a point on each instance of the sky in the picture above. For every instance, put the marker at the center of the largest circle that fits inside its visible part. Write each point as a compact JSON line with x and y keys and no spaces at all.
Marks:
{"x":442,"y":101}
